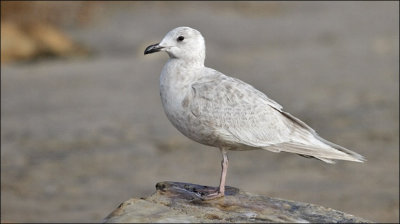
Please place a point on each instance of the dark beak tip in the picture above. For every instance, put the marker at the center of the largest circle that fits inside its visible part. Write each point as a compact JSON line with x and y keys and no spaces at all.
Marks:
{"x":152,"y":48}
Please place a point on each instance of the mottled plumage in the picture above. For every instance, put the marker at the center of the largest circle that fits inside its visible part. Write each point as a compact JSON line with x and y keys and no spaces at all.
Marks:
{"x":217,"y":110}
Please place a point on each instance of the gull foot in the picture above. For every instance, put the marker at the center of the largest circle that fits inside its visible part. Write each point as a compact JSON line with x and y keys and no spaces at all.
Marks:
{"x":212,"y":196}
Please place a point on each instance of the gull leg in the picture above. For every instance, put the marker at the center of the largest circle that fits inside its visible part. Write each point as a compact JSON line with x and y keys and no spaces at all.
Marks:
{"x":224,"y":166}
{"x":221,"y":189}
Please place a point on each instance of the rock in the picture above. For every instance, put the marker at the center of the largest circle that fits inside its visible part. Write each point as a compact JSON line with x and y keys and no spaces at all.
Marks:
{"x":180,"y":202}
{"x":15,"y":45}
{"x":29,"y":41}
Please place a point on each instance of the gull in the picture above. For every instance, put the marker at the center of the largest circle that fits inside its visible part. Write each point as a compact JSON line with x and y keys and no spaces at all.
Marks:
{"x":224,"y":112}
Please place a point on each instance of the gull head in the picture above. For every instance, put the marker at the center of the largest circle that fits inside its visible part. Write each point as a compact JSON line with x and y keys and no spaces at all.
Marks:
{"x":182,"y":43}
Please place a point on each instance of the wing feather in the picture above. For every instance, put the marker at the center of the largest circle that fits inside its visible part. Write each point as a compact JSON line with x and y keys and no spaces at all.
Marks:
{"x":248,"y":117}
{"x":239,"y":109}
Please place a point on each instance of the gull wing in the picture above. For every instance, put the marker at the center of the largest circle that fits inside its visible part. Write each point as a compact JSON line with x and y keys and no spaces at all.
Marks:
{"x":245,"y":116}
{"x":237,"y":109}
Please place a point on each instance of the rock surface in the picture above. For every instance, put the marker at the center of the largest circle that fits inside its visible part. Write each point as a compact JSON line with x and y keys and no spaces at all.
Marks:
{"x":180,"y":202}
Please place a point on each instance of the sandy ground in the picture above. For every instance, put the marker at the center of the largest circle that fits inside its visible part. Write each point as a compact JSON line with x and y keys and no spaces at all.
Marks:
{"x":80,"y":136}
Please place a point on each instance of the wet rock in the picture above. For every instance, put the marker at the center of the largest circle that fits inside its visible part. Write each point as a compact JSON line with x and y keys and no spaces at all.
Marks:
{"x":180,"y":202}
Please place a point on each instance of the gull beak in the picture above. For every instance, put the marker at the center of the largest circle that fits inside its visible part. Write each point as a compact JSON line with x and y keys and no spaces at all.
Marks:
{"x":153,"y":48}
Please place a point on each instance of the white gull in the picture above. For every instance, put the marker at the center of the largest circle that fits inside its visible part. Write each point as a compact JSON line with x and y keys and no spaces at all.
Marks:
{"x":217,"y":110}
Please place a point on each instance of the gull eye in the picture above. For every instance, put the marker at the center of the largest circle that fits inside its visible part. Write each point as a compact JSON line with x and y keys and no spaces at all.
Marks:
{"x":180,"y":38}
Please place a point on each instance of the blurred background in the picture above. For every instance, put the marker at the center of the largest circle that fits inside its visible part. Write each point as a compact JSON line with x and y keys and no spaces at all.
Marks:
{"x":83,"y":129}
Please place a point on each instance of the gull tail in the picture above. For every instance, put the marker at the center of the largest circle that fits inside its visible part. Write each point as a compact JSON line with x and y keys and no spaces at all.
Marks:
{"x":353,"y":155}
{"x":334,"y":152}
{"x":306,"y":142}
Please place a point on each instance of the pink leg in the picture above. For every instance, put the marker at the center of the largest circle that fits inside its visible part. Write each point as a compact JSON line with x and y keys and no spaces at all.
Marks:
{"x":221,"y":190}
{"x":224,"y":166}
